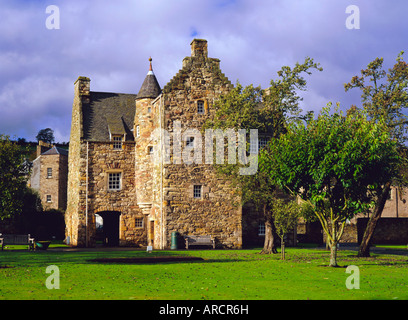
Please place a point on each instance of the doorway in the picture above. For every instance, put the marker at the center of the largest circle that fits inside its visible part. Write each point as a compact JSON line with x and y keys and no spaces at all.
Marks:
{"x":108,"y":228}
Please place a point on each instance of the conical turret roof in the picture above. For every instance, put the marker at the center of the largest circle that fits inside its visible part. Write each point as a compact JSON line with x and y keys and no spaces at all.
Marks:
{"x":150,"y":87}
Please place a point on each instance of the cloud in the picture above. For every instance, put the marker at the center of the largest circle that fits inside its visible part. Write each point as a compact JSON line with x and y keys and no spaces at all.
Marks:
{"x":110,"y":42}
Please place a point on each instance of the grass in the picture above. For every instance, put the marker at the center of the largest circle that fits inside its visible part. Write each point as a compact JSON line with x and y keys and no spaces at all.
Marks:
{"x":223,"y":275}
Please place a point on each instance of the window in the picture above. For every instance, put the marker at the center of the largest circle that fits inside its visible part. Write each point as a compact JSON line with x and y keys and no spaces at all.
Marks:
{"x":139,"y":222}
{"x":49,"y":199}
{"x":150,"y":150}
{"x":190,"y":142}
{"x":149,"y":110}
{"x":197,"y":192}
{"x":49,"y":173}
{"x":114,"y":181}
{"x":117,"y":142}
{"x":137,"y":131}
{"x":261,"y":229}
{"x":200,"y":107}
{"x":262,"y":142}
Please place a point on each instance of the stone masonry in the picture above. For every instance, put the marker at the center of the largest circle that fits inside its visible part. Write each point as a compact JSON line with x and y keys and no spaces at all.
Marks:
{"x":118,"y":168}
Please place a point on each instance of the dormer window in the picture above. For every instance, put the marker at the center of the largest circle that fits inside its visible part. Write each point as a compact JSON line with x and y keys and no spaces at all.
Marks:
{"x":117,"y":142}
{"x":200,"y":107}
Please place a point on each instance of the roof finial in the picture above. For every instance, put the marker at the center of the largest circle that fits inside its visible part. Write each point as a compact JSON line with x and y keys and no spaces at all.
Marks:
{"x":150,"y":68}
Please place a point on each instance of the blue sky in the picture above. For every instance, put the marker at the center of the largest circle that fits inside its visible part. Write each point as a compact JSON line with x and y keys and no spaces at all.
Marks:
{"x":111,"y":42}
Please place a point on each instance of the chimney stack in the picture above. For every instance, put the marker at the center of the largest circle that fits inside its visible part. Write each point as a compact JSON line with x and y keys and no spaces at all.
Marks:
{"x":199,"y":48}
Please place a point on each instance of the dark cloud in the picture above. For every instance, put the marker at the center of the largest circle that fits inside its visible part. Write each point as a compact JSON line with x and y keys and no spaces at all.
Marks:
{"x":110,"y":42}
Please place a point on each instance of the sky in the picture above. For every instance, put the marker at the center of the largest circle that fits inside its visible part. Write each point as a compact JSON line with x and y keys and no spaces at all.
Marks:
{"x":43,"y":52}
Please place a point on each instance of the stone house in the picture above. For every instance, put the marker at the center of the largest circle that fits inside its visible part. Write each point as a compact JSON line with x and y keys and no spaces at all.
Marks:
{"x":119,"y":171}
{"x":49,"y":176}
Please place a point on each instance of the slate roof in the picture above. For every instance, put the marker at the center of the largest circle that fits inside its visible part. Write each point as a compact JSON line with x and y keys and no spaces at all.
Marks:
{"x":150,"y":87}
{"x":56,"y":150}
{"x":106,"y":113}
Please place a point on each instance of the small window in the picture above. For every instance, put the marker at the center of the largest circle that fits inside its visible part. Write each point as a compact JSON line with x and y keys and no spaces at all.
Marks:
{"x":261,"y":229}
{"x":139,"y":222}
{"x":262,"y":142}
{"x":49,"y":173}
{"x":190,"y":142}
{"x":117,"y":142}
{"x":200,"y":107}
{"x":137,"y":131}
{"x":114,"y":181}
{"x":49,"y":199}
{"x":150,"y":150}
{"x":197,"y":191}
{"x":149,"y":110}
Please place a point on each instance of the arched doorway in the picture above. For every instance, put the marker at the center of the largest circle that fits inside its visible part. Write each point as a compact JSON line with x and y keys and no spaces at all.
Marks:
{"x":107,"y":228}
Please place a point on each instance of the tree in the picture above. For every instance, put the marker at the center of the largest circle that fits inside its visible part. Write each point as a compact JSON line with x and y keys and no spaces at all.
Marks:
{"x":384,"y":97}
{"x":286,"y":214}
{"x":267,"y":111}
{"x":332,"y":163}
{"x":46,"y":135}
{"x":12,"y":178}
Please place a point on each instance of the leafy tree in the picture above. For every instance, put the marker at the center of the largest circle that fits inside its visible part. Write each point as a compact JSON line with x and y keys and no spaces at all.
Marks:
{"x":12,"y":178}
{"x":385,"y":98}
{"x":332,"y":162}
{"x":267,"y":111}
{"x":46,"y":135}
{"x":286,"y":214}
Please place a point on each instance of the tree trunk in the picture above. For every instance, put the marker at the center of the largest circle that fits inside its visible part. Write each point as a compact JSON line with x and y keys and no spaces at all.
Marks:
{"x":269,"y":244}
{"x":333,"y":255}
{"x":282,"y":250}
{"x":364,"y":250}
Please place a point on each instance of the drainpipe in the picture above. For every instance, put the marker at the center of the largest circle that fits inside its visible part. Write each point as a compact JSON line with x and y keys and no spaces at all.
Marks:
{"x":86,"y":199}
{"x":396,"y":201}
{"x":161,"y":176}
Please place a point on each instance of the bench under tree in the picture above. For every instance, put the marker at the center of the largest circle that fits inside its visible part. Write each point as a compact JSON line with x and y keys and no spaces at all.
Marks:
{"x":205,"y":240}
{"x":16,"y":239}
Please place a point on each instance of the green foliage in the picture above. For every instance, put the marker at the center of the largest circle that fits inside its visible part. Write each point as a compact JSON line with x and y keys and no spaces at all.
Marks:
{"x":12,"y":178}
{"x":385,"y":95}
{"x":333,"y":157}
{"x":333,"y":162}
{"x":285,"y":214}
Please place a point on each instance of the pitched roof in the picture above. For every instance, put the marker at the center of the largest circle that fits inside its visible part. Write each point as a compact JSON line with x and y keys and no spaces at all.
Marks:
{"x":108,"y":113}
{"x":55,"y":150}
{"x":150,"y":87}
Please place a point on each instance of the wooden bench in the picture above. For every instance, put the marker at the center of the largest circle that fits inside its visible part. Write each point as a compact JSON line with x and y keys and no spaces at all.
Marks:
{"x":199,"y":241}
{"x":16,"y":239}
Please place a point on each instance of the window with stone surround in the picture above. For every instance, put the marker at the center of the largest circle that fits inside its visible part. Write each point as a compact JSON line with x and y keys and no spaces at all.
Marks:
{"x":49,"y":199}
{"x":114,"y":181}
{"x":139,"y":222}
{"x":200,"y":107}
{"x":49,"y":173}
{"x":261,"y":228}
{"x":197,"y":191}
{"x":117,"y":142}
{"x":137,"y":131}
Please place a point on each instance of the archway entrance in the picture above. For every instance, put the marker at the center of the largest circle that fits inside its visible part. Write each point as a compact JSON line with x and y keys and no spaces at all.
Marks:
{"x":108,"y":228}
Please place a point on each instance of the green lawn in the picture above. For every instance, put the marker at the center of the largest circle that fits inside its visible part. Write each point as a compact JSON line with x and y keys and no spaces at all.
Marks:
{"x":224,"y":274}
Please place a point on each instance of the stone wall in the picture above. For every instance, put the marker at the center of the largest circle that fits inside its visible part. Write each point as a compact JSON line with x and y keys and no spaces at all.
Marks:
{"x":74,"y":218}
{"x":54,"y":186}
{"x":217,"y":212}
